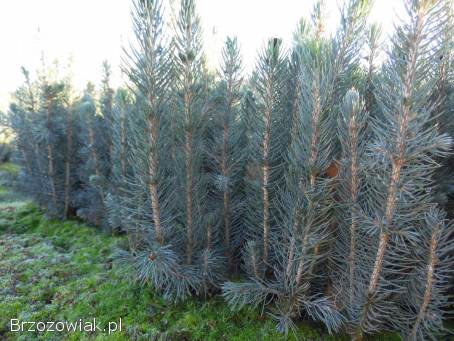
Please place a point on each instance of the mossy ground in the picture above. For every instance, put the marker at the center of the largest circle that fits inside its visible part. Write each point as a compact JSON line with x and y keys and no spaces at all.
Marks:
{"x":64,"y":271}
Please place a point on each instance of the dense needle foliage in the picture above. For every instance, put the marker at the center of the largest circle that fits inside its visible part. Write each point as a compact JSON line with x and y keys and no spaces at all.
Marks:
{"x":320,"y":187}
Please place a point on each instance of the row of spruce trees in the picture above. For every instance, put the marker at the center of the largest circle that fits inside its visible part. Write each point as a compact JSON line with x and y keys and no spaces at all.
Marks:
{"x":312,"y":187}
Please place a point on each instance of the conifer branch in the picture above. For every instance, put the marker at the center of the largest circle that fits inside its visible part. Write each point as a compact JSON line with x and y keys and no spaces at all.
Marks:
{"x":149,"y":68}
{"x":352,"y":135}
{"x":189,"y":64}
{"x":403,"y":121}
{"x":231,"y":77}
{"x":271,"y":78}
{"x":428,"y":295}
{"x":406,"y":113}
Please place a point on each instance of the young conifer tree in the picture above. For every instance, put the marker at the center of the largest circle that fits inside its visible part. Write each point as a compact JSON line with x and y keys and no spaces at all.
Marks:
{"x":45,"y":124}
{"x":115,"y":201}
{"x":402,"y":157}
{"x":427,"y":299}
{"x":443,"y":96}
{"x":301,"y":245}
{"x":352,"y":244}
{"x":192,"y":111}
{"x":143,"y":204}
{"x":21,"y":119}
{"x":226,"y":151}
{"x":266,"y":143}
{"x":373,"y":51}
{"x":264,"y":117}
{"x":71,"y":160}
{"x":164,"y":195}
{"x":294,"y":87}
{"x":106,"y":103}
{"x":51,"y":130}
{"x":94,"y":169}
{"x":191,"y":102}
{"x":95,"y":150}
{"x":328,"y":69}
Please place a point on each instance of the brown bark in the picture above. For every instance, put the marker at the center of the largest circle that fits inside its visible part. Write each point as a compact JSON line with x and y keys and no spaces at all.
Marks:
{"x":398,"y":162}
{"x":152,"y":172}
{"x":225,"y":173}
{"x":266,"y":212}
{"x":209,"y":236}
{"x":266,"y":170}
{"x":69,"y":141}
{"x":429,"y":282}
{"x":312,"y":178}
{"x":299,"y":274}
{"x":399,"y":159}
{"x":51,"y":171}
{"x":188,"y":81}
{"x":354,"y":192}
{"x":123,"y":144}
{"x":94,"y":155}
{"x":293,"y":136}
{"x":254,"y":260}
{"x":189,"y":188}
{"x":50,"y":154}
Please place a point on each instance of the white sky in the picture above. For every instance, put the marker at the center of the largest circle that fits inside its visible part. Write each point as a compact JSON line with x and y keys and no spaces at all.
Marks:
{"x":90,"y":31}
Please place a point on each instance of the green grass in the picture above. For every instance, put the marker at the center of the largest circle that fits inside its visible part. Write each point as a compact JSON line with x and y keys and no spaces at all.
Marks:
{"x":64,"y":271}
{"x":9,"y":168}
